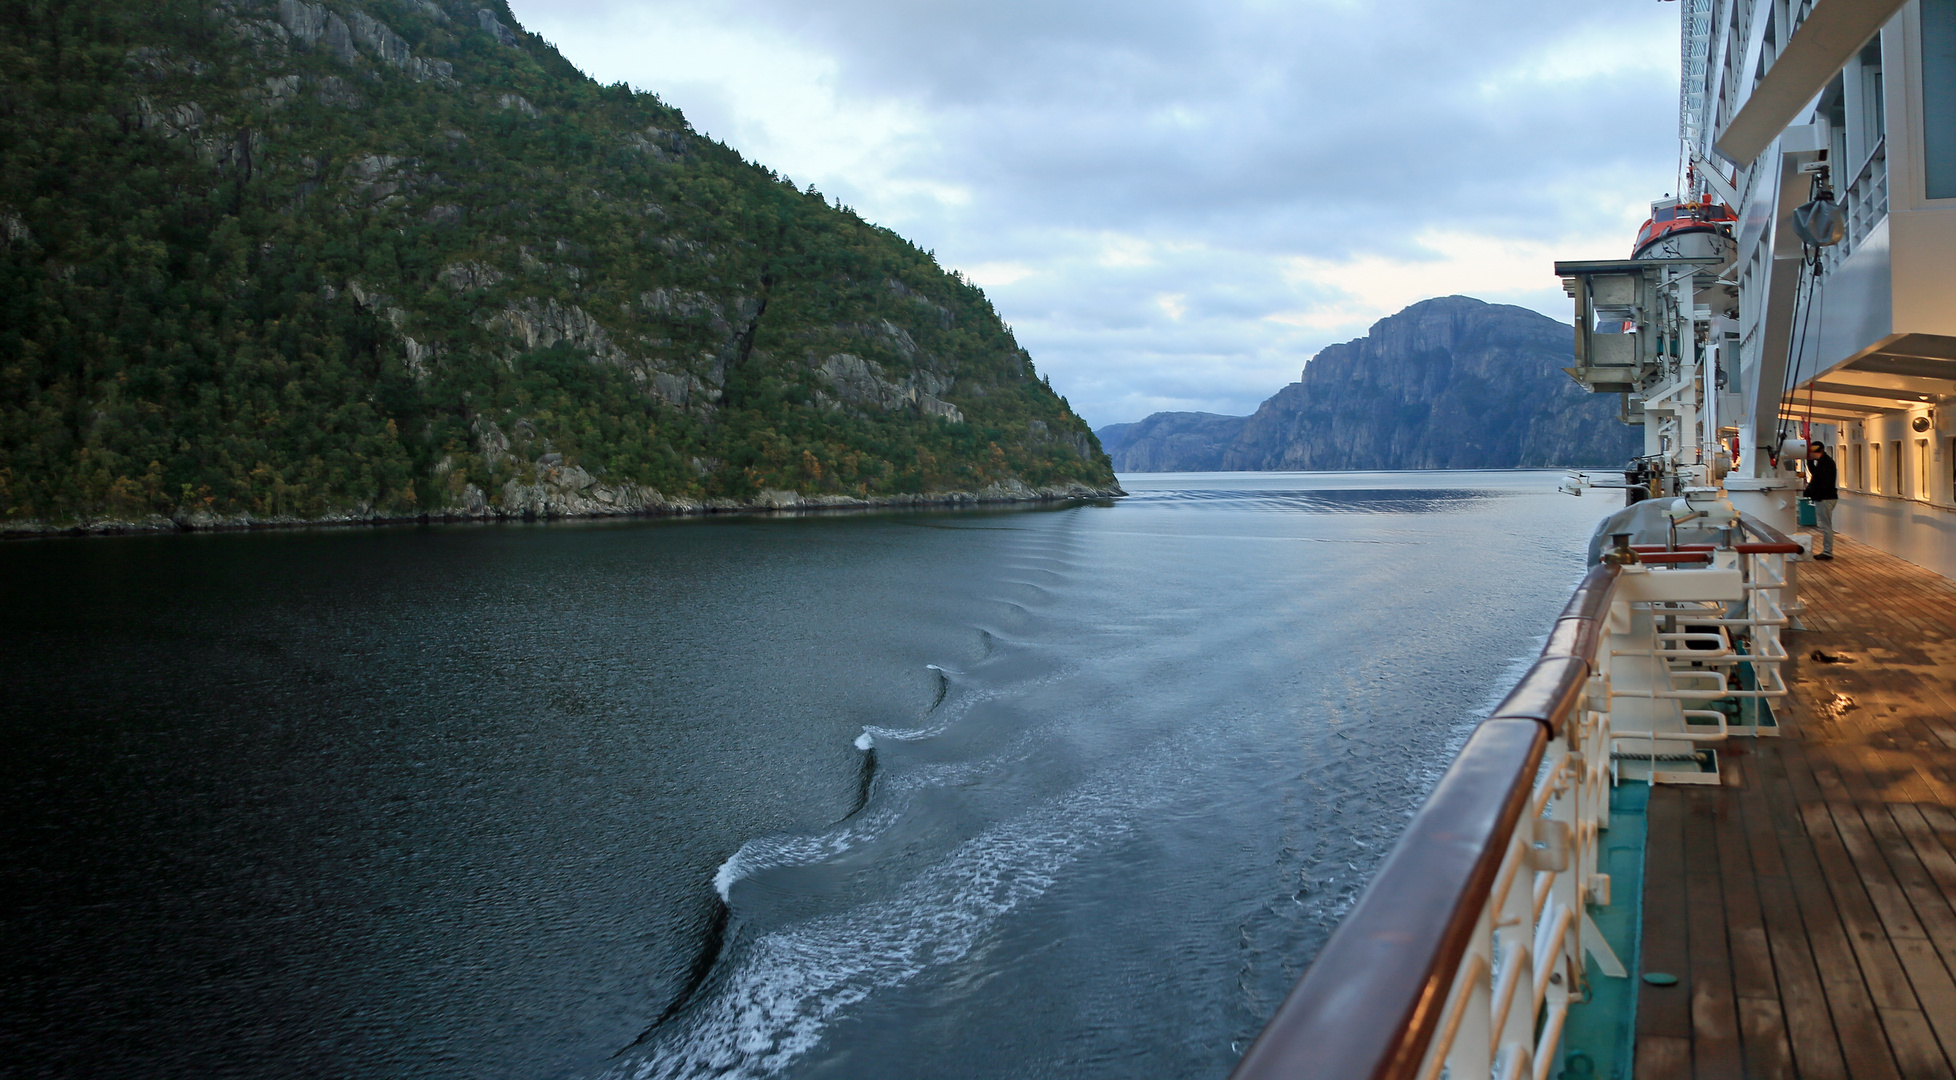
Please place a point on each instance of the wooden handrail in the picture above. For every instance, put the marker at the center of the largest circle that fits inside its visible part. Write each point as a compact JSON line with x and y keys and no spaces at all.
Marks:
{"x":1675,"y":558}
{"x":1368,"y":1007}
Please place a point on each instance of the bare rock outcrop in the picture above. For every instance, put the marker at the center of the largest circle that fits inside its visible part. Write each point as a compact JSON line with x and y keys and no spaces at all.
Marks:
{"x":469,"y":276}
{"x":860,"y":382}
{"x":1449,"y":383}
{"x":1172,"y":442}
{"x":560,"y":490}
{"x":391,"y":48}
{"x":314,"y":26}
{"x":519,"y":103}
{"x":494,"y":27}
{"x":539,"y":324}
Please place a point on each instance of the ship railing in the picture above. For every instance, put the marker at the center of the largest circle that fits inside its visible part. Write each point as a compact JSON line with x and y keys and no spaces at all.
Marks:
{"x":1465,"y":953}
{"x":1772,"y":595}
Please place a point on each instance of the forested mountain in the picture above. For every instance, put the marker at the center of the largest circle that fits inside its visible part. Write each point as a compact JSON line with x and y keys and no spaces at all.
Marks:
{"x":275,"y":259}
{"x":1449,"y":383}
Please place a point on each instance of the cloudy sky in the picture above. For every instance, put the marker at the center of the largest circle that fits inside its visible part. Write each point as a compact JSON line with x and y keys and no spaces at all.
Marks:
{"x":1176,"y":203}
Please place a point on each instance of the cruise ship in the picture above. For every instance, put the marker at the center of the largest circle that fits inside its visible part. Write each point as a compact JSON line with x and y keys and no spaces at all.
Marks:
{"x":1712,"y":831}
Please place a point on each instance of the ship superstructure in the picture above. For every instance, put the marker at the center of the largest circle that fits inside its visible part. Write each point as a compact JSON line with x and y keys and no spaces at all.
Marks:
{"x":1820,"y":139}
{"x":1794,"y":911}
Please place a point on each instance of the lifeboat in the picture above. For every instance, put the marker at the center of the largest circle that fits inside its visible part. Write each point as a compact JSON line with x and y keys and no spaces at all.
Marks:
{"x":1686,"y":230}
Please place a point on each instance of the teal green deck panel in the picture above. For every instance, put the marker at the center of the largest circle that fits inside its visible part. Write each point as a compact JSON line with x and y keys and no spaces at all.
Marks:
{"x":1754,"y":713}
{"x":1601,"y":1033}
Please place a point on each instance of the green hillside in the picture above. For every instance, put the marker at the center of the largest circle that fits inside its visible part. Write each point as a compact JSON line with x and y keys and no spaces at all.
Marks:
{"x":284,"y":260}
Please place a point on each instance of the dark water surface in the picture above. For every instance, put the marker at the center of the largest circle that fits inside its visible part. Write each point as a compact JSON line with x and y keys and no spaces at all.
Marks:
{"x":465,"y":801}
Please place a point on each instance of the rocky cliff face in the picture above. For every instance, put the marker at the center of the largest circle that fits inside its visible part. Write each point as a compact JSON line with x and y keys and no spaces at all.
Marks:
{"x":269,"y":260}
{"x":1172,"y":442}
{"x":1450,"y":383}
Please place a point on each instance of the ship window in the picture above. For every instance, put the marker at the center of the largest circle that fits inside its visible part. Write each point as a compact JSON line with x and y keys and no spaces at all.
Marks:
{"x":1895,"y":463}
{"x":1922,"y":468}
{"x":1939,"y":99}
{"x":1874,"y":454}
{"x":1860,"y":466}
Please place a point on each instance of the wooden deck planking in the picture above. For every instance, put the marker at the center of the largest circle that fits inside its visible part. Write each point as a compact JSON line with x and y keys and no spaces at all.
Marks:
{"x":1808,"y":904}
{"x":1921,"y":836}
{"x":1666,"y":922}
{"x":1745,"y":924}
{"x":1715,"y":1047}
{"x":1762,"y":1032}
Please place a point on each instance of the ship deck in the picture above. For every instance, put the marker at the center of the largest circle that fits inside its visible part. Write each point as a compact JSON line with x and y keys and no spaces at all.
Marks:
{"x":1807,"y":904}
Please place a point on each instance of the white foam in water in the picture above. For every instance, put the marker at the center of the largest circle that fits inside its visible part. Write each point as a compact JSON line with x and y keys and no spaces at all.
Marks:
{"x":904,"y":734}
{"x":944,"y":716}
{"x":764,"y":852}
{"x":785,"y":986}
{"x":948,"y":712}
{"x":767,"y":852}
{"x":789,"y":984}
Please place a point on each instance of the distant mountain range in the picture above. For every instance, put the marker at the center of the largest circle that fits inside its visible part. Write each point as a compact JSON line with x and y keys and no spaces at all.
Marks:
{"x":1449,"y":383}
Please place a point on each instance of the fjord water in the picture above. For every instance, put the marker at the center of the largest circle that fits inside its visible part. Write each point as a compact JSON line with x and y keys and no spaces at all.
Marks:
{"x":1042,"y":792}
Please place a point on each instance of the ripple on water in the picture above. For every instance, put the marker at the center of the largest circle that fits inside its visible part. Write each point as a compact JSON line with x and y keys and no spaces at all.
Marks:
{"x":1054,"y":792}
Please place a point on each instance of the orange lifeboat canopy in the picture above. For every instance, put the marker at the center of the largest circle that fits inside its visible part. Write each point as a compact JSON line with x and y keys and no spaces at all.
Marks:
{"x":1680,"y":229}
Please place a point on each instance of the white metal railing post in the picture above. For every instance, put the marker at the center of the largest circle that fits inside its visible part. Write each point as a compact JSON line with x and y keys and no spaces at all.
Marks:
{"x":1513,"y":1024}
{"x":1466,"y":1045}
{"x":1510,"y":995}
{"x":1556,"y":943}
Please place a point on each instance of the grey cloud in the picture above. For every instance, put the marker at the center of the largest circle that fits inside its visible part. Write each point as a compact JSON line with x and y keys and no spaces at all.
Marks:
{"x":1376,"y":104}
{"x":1239,"y":133}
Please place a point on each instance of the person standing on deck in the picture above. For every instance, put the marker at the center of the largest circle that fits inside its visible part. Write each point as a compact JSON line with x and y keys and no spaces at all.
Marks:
{"x":1823,"y":490}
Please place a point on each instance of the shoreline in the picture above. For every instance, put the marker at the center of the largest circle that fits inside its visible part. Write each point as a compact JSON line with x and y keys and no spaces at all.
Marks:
{"x":767,"y":502}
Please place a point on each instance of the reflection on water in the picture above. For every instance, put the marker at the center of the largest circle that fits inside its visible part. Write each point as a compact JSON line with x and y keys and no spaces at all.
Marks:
{"x":1064,"y":791}
{"x":1329,"y":501}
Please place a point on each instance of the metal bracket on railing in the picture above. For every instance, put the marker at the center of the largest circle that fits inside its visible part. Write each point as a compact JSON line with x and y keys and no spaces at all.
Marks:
{"x":1551,"y":851}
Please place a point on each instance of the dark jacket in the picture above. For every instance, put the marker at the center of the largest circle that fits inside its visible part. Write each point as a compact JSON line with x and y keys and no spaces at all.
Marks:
{"x":1823,"y":480}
